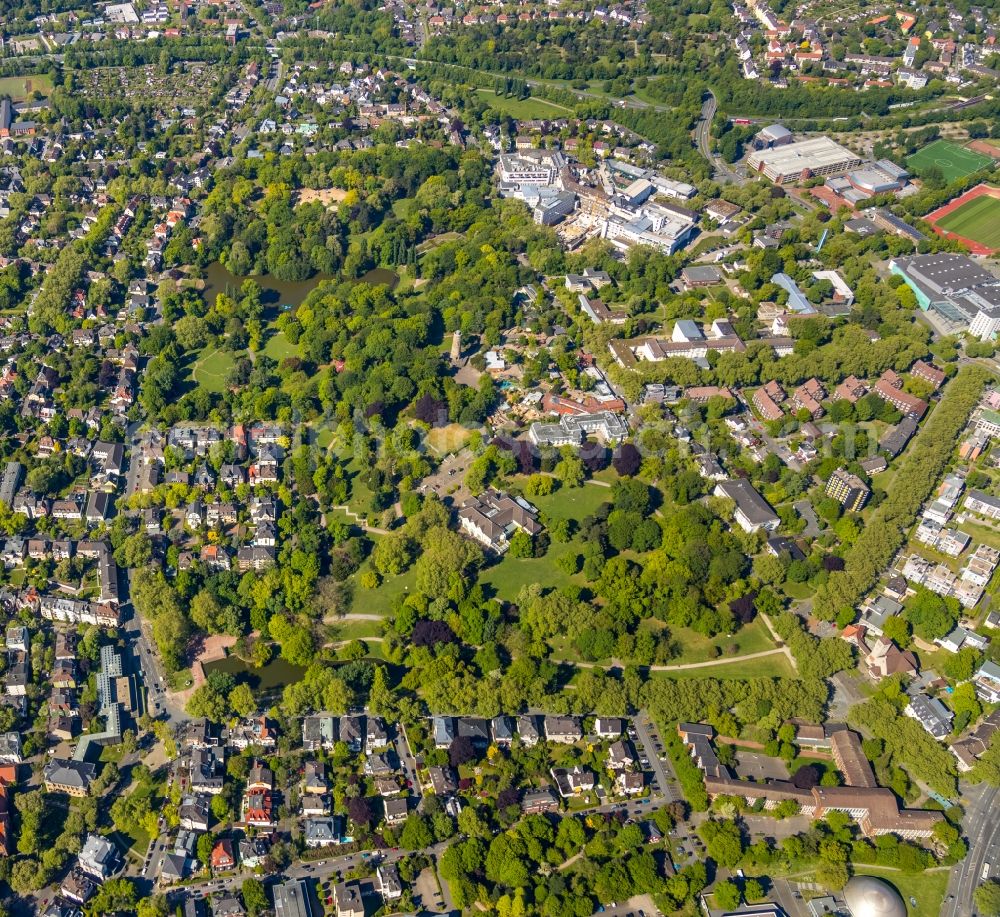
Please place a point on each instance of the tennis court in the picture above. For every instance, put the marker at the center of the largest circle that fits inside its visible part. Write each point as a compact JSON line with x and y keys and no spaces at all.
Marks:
{"x":953,"y":160}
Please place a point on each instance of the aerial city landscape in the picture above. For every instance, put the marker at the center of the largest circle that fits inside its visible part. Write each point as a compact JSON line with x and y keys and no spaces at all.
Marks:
{"x":520,"y":459}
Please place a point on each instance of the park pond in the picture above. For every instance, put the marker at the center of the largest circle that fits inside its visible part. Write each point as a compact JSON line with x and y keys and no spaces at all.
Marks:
{"x":268,"y":679}
{"x":279,"y":293}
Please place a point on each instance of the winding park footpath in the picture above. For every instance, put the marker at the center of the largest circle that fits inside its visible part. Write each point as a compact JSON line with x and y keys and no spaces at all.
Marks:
{"x":708,"y":663}
{"x":780,"y":649}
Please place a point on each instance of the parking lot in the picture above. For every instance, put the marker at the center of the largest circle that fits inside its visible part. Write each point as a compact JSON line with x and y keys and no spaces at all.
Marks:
{"x":650,"y":747}
{"x":449,"y":477}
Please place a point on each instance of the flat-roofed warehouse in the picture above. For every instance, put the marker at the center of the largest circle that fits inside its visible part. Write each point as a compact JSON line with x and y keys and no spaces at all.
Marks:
{"x":797,"y":161}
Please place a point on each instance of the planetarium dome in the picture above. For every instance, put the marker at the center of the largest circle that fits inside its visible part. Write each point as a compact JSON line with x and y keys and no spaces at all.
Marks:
{"x":867,"y":896}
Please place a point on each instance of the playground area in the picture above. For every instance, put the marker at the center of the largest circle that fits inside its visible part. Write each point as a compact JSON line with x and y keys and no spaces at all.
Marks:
{"x":972,"y":218}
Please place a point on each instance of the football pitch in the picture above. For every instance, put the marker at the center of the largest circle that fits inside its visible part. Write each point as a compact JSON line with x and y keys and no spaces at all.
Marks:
{"x":953,"y":160}
{"x":978,"y":220}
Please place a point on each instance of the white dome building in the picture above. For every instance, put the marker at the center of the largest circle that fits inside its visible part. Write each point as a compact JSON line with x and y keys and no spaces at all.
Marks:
{"x":867,"y":896}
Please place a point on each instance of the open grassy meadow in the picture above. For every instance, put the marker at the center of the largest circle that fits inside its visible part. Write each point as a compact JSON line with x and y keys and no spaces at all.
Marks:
{"x":523,"y":108}
{"x":211,"y":368}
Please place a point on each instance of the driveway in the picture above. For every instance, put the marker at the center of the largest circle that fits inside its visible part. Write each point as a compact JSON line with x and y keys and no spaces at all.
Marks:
{"x":409,"y":764}
{"x":805,"y":510}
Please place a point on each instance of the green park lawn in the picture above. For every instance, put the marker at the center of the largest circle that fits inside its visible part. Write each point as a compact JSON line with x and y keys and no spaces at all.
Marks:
{"x":511,"y":573}
{"x":695,"y":647}
{"x":449,"y":439}
{"x":797,"y":590}
{"x":210,"y":369}
{"x":528,"y":109}
{"x":356,"y":630}
{"x":361,"y":493}
{"x":380,"y":601}
{"x":278,"y":347}
{"x":572,"y":502}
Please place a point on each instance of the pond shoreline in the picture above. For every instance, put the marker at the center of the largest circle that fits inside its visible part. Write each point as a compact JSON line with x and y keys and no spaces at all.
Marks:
{"x":280,"y":293}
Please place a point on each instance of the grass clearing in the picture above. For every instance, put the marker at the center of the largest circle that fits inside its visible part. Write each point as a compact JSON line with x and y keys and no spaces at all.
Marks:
{"x":953,"y":160}
{"x":20,"y":88}
{"x":508,"y":576}
{"x":448,"y":440}
{"x":798,"y":591}
{"x":572,"y":502}
{"x":210,"y":369}
{"x":978,"y":220}
{"x":361,"y":494}
{"x":440,"y":239}
{"x":379,"y":601}
{"x":980,"y":533}
{"x":278,"y":347}
{"x":356,"y":630}
{"x":695,"y":647}
{"x":528,"y":109}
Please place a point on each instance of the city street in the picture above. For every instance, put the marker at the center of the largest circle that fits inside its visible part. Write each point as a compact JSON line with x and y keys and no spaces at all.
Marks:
{"x":983,"y":860}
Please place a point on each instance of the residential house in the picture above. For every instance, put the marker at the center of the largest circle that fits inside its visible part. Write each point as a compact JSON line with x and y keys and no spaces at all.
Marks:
{"x":573,"y":781}
{"x":887,"y":659}
{"x":563,"y":729}
{"x":387,"y":882}
{"x":396,"y":810}
{"x":222,"y":858}
{"x":321,"y":832}
{"x":347,"y":900}
{"x":99,"y":857}
{"x":527,"y":730}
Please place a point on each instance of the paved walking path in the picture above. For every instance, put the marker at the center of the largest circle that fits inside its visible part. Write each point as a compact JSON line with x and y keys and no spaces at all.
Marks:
{"x":708,"y":663}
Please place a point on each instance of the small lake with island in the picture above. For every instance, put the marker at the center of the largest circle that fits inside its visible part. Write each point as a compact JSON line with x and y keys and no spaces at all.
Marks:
{"x":274,"y":292}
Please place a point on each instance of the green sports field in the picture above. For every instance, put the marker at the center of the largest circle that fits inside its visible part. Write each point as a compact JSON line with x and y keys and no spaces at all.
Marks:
{"x":953,"y":160}
{"x":20,"y":88}
{"x":978,"y":220}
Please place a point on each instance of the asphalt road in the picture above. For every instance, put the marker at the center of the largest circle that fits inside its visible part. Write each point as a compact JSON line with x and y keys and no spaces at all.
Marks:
{"x":984,"y":847}
{"x":703,"y":140}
